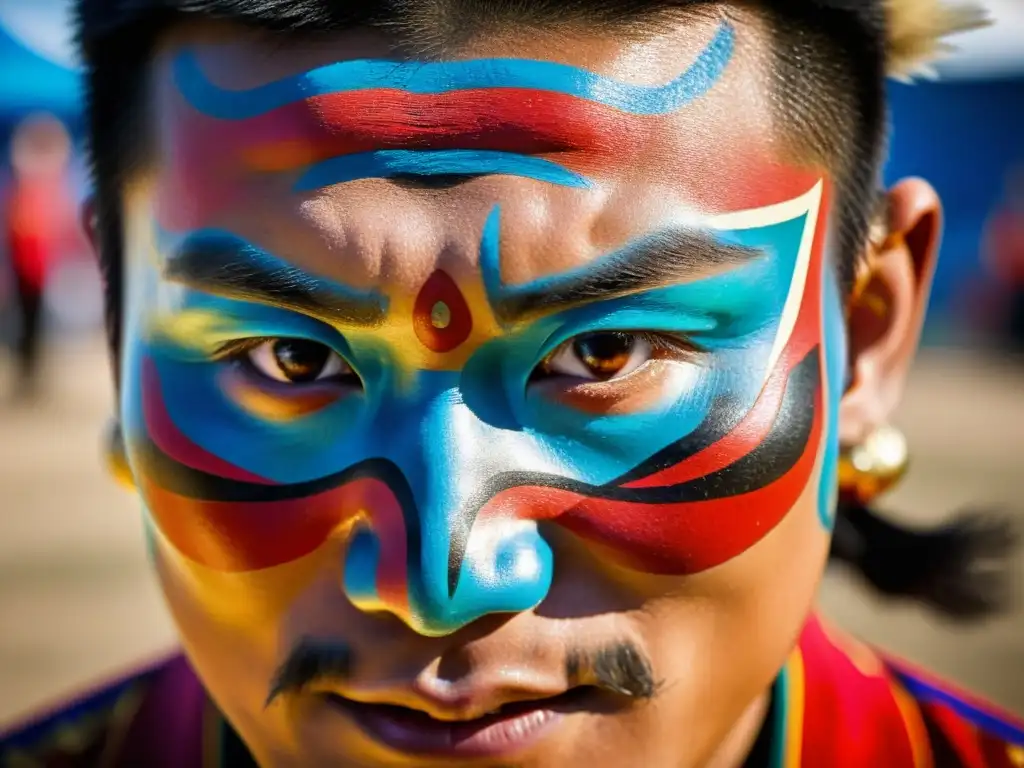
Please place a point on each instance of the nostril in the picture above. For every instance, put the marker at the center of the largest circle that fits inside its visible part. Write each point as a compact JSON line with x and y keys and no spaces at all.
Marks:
{"x":507,"y":568}
{"x":362,"y":566}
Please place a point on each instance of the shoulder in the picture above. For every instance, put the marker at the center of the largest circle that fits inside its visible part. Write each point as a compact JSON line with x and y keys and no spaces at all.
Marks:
{"x":861,"y":707}
{"x":959,"y":724}
{"x":153,"y":717}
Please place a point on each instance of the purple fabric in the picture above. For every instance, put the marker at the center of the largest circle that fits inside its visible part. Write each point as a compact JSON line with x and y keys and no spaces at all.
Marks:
{"x":167,"y":732}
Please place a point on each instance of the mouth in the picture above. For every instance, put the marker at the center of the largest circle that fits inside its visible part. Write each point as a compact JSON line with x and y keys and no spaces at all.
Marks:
{"x":511,"y":728}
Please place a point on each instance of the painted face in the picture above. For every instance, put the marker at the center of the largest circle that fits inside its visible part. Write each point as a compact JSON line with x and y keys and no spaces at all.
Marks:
{"x":496,"y":336}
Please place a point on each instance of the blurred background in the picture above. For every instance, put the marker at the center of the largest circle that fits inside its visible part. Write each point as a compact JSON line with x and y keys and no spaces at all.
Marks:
{"x":77,"y":602}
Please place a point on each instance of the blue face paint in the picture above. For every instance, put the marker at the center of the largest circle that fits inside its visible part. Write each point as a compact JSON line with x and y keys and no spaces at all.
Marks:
{"x":733,"y":316}
{"x":444,"y":77}
{"x":388,"y":163}
{"x":449,"y":434}
{"x":834,"y":338}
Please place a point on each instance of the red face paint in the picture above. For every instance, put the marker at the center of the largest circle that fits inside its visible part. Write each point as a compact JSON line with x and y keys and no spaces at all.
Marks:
{"x":240,"y":536}
{"x":689,"y":536}
{"x":501,"y":119}
{"x":673,"y":536}
{"x":216,"y":160}
{"x":441,"y":317}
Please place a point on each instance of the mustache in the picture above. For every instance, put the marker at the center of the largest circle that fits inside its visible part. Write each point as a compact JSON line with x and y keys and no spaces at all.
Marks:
{"x":620,"y":668}
{"x":310,"y":661}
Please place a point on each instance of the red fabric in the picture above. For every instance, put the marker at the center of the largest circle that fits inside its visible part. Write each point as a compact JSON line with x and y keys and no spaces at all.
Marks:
{"x":961,"y":734}
{"x":998,"y":754}
{"x":851,"y":717}
{"x":858,"y":711}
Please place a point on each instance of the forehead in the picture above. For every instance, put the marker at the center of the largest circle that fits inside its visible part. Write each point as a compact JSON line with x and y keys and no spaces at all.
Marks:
{"x":592,"y":169}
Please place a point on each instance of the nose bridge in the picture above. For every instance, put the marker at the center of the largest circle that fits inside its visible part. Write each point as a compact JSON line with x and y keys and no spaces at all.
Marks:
{"x":456,"y":568}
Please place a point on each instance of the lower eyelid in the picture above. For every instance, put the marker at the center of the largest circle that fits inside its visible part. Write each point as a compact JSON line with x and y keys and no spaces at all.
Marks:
{"x":642,"y":390}
{"x":276,"y":401}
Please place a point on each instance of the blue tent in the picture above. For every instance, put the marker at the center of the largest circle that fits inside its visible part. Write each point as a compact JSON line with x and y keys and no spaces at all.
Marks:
{"x":29,"y":82}
{"x":963,"y":136}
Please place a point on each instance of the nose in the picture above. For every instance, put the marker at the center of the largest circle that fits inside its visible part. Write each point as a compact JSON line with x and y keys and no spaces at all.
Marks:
{"x":421,"y":552}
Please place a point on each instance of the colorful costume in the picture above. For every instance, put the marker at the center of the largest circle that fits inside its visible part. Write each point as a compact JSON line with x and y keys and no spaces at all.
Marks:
{"x":836,"y":704}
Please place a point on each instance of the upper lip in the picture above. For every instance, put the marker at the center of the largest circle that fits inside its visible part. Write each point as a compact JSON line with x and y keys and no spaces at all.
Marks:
{"x":450,"y":703}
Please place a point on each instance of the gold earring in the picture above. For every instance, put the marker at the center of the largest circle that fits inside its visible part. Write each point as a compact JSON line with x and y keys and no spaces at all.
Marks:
{"x":869,"y":469}
{"x":117,"y":457}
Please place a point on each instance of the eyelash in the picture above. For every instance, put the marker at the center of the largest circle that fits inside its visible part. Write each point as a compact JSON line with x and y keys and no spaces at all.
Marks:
{"x":669,"y":342}
{"x":235,"y":351}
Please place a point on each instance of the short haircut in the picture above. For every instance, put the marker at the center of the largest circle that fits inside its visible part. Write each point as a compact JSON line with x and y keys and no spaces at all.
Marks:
{"x":828,"y":79}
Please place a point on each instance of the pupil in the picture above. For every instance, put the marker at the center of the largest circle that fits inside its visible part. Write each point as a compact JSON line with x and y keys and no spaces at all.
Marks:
{"x":300,"y":360}
{"x":605,"y":354}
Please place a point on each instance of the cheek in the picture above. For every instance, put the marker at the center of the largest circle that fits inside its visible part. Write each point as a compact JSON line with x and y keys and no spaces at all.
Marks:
{"x":717,"y":492}
{"x":219,"y":516}
{"x":232,"y":629}
{"x":740,"y":619}
{"x":716,"y":502}
{"x":717,"y":639}
{"x":228,"y":604}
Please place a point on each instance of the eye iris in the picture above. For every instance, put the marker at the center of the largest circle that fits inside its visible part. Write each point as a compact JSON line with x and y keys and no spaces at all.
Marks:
{"x":605,"y":354}
{"x":300,"y":360}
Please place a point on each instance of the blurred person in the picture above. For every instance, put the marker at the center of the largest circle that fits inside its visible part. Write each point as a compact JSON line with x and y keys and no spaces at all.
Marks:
{"x":1004,"y":255}
{"x":40,"y":229}
{"x":495,"y":411}
{"x":8,"y":323}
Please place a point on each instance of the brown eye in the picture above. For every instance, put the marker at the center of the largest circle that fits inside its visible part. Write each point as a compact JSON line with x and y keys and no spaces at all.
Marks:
{"x":297,"y":361}
{"x":599,"y":356}
{"x":604,"y":354}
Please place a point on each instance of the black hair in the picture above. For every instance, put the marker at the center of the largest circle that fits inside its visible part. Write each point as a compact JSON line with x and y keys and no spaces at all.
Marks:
{"x":829,"y":82}
{"x":828,"y":76}
{"x":960,"y":569}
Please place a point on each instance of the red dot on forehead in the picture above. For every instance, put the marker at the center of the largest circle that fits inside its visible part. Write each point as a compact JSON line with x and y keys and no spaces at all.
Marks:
{"x":441,"y":316}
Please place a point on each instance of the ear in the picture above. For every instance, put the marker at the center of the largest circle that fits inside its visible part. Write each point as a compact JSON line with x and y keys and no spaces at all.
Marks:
{"x":116,"y":456}
{"x":90,"y":223}
{"x":887,"y":309}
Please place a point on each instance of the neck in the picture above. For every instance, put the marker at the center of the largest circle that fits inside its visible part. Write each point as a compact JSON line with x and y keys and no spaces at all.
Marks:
{"x":742,"y":746}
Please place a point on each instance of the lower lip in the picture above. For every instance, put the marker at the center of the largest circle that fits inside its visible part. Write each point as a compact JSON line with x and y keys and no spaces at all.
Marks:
{"x":415,"y":733}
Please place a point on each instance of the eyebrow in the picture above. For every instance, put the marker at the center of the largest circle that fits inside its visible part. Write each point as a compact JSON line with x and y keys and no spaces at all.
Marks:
{"x":666,"y":257}
{"x":228,"y":266}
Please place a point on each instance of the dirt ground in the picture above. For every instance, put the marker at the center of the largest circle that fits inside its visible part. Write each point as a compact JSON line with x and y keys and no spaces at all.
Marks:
{"x":77,"y":602}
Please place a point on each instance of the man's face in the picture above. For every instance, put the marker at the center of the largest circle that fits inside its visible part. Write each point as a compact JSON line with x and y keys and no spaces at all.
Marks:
{"x":476,"y":382}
